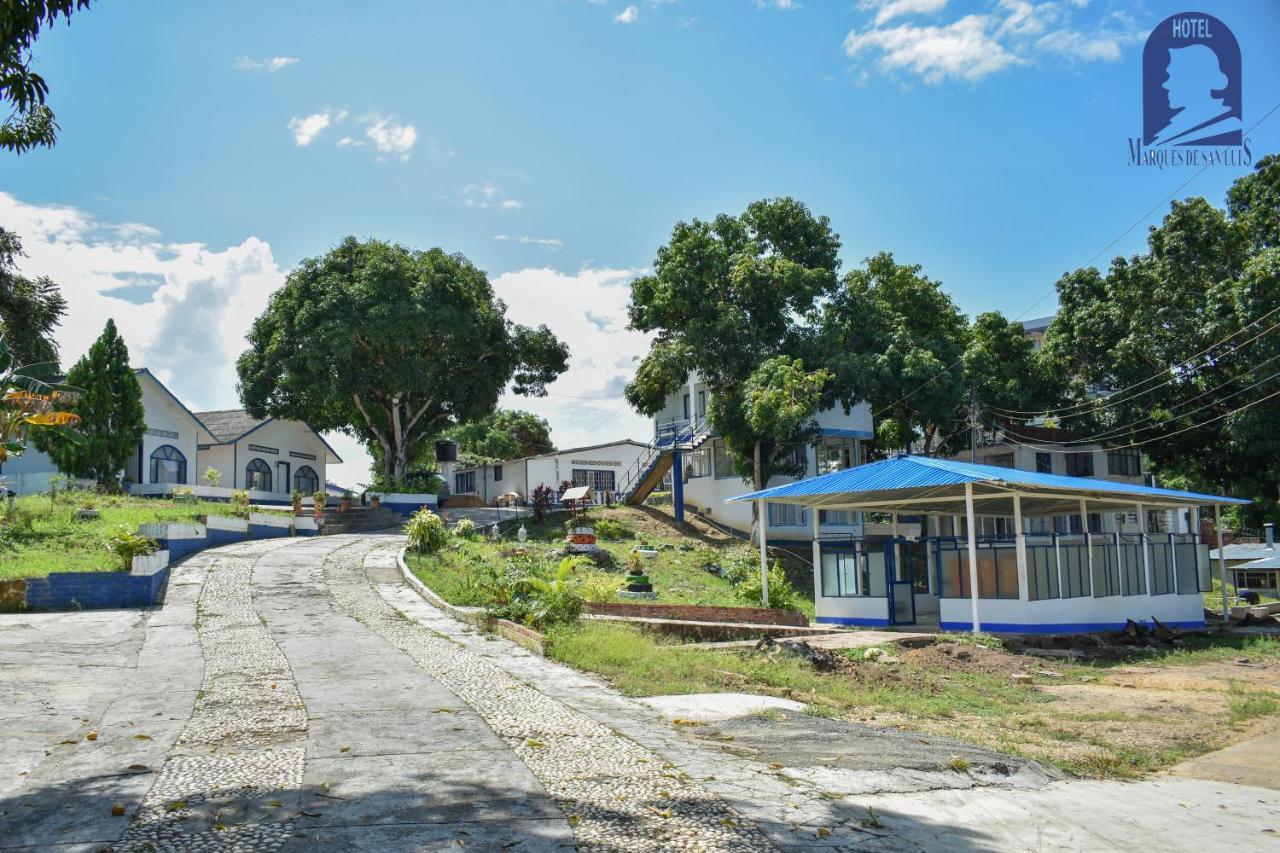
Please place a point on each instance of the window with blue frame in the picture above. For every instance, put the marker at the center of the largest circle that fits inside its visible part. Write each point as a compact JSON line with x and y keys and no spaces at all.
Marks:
{"x":464,"y":482}
{"x":306,"y":481}
{"x":257,"y":475}
{"x":497,"y":473}
{"x":168,"y":465}
{"x":786,"y":515}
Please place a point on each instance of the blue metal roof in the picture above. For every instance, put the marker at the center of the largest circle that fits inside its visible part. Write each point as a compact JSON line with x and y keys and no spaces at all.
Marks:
{"x":897,"y":478}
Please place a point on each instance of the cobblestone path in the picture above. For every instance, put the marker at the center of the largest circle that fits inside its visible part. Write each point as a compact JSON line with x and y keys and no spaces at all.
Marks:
{"x":616,"y":794}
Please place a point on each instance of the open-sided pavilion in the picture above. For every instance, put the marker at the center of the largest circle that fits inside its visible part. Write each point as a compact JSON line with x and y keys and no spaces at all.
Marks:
{"x":1019,"y":583}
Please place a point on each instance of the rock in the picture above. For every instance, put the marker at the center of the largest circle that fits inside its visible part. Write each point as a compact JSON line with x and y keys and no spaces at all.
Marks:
{"x":873,"y":653}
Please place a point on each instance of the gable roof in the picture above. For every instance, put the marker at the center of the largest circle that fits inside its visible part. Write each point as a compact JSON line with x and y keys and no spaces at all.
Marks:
{"x":226,"y":425}
{"x":231,"y":425}
{"x":939,"y":484}
{"x":142,"y":371}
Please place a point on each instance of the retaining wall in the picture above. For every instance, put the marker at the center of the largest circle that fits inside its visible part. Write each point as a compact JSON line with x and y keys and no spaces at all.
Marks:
{"x":698,"y":613}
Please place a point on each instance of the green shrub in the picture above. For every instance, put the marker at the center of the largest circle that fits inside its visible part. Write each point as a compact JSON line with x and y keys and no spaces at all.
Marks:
{"x":240,"y":503}
{"x":611,"y":528}
{"x":426,"y":531}
{"x":599,"y":586}
{"x":781,"y":593}
{"x":521,"y":595}
{"x":465,"y":529}
{"x":126,"y":545}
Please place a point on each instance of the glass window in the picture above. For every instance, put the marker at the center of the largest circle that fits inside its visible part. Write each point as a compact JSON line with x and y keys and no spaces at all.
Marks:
{"x":1126,"y":463}
{"x":834,"y":454}
{"x":257,"y":475}
{"x":497,"y":473}
{"x":1000,"y":460}
{"x":168,"y":465}
{"x":835,"y":517}
{"x":1044,"y":463}
{"x":786,"y":515}
{"x":723,"y":464}
{"x":702,"y":404}
{"x":686,"y":407}
{"x":697,"y":463}
{"x":599,"y":481}
{"x":306,"y":481}
{"x":464,"y":482}
{"x":1080,"y":464}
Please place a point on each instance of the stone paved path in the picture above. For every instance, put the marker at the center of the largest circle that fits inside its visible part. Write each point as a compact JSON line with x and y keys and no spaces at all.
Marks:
{"x":299,"y":695}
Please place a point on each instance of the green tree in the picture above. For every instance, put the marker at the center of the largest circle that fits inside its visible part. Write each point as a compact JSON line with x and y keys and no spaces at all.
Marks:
{"x":109,"y":403}
{"x":892,"y":337}
{"x":392,"y":345}
{"x":504,"y":434}
{"x":725,"y":298}
{"x":1181,"y":339}
{"x":30,"y":310}
{"x":30,"y":122}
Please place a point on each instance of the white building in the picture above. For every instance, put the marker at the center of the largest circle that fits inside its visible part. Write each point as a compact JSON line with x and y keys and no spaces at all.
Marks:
{"x":707,"y":479}
{"x":268,"y":457}
{"x":600,"y":466}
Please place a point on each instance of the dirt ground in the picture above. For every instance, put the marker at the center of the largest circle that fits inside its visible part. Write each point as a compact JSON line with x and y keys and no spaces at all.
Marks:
{"x":1094,"y":721}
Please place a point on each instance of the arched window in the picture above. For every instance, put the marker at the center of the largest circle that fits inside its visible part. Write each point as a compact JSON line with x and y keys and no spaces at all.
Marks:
{"x":306,"y":481}
{"x":257,"y":475}
{"x":168,"y":465}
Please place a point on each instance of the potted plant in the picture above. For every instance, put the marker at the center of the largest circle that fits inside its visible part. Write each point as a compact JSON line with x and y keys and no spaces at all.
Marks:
{"x":318,"y":500}
{"x":87,"y":510}
{"x":296,"y":499}
{"x":375,"y":500}
{"x":346,"y":501}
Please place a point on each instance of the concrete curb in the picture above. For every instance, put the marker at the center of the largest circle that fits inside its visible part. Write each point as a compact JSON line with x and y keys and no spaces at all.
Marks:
{"x":475,"y":616}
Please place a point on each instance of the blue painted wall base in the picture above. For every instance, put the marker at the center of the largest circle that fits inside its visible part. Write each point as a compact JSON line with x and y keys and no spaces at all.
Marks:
{"x":1059,"y":628}
{"x":867,"y":622}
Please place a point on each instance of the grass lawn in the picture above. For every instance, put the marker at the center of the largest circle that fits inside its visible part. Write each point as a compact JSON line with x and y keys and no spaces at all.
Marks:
{"x":44,"y":536}
{"x":676,"y":571}
{"x":1113,"y":721}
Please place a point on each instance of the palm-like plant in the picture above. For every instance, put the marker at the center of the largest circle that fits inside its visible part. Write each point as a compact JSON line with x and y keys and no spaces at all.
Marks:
{"x":30,"y":402}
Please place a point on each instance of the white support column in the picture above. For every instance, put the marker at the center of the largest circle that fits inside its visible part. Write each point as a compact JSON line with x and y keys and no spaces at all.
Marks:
{"x":1020,"y":540}
{"x":764,"y":552}
{"x":1222,"y":561}
{"x":1088,"y":541}
{"x":973,"y":555}
{"x":931,"y":568}
{"x":897,"y":549}
{"x":1146,"y":549}
{"x":817,"y":555}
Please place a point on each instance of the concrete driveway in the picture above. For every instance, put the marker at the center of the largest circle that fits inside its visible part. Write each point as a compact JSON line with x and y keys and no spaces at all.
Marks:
{"x":297,"y":694}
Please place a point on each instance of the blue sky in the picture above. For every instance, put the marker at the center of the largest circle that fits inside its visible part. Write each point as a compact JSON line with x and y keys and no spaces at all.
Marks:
{"x":206,"y":148}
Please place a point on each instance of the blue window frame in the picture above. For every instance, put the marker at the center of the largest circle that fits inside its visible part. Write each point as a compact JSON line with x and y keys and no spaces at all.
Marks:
{"x":257,"y":475}
{"x":306,"y":480}
{"x":168,"y":465}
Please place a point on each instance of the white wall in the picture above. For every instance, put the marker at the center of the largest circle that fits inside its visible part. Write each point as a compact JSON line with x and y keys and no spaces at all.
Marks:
{"x":285,"y":437}
{"x":525,"y":475}
{"x":164,"y":415}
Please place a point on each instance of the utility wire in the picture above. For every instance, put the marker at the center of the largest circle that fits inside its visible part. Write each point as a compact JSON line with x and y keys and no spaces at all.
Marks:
{"x":1051,"y":291}
{"x":1147,"y":441}
{"x":1132,"y":428}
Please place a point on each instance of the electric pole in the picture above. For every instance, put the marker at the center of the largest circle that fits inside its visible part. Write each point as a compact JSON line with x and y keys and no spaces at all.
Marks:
{"x":975,"y":424}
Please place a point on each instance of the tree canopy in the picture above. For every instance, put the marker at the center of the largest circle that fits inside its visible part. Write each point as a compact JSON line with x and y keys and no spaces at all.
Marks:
{"x":1176,"y":350}
{"x":30,"y":310}
{"x":392,"y":345}
{"x":725,"y":298}
{"x":108,"y":401}
{"x":30,"y":122}
{"x":504,"y":434}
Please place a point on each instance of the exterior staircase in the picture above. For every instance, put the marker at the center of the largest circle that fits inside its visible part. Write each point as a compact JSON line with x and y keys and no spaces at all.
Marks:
{"x":639,"y":481}
{"x":359,"y":519}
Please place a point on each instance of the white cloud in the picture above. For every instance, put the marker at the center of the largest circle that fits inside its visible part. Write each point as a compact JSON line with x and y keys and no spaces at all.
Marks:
{"x":305,"y":129}
{"x":549,"y":242}
{"x":390,"y":137}
{"x":588,"y":310}
{"x":965,"y":49}
{"x":271,"y":66}
{"x":887,"y":10}
{"x":628,"y":15}
{"x":192,"y":327}
{"x":1015,"y":32}
{"x":488,"y":194}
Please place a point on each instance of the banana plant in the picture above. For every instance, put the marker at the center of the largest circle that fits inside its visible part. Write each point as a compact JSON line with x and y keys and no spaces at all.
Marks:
{"x":29,"y":402}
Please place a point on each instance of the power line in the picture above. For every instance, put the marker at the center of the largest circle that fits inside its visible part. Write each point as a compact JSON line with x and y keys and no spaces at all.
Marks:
{"x":1134,"y":427}
{"x":1147,"y":441}
{"x":1097,"y":255}
{"x":1092,"y":404}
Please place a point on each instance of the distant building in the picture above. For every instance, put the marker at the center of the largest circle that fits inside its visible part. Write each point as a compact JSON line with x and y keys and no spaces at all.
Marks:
{"x":268,"y":457}
{"x":600,"y":466}
{"x":1035,"y":330}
